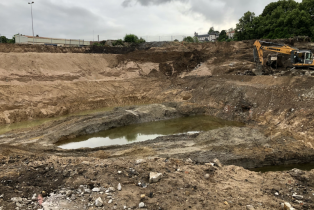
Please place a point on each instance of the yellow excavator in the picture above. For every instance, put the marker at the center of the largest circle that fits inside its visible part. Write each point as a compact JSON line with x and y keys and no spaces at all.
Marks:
{"x":299,"y":58}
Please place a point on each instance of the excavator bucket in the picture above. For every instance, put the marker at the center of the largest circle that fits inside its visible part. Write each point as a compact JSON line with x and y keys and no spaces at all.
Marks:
{"x":256,"y":59}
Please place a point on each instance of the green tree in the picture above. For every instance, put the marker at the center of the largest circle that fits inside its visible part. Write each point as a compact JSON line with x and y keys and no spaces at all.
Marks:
{"x":222,"y":36}
{"x":3,"y":39}
{"x":133,"y":39}
{"x":211,"y":29}
{"x":188,"y":39}
{"x":245,"y":29}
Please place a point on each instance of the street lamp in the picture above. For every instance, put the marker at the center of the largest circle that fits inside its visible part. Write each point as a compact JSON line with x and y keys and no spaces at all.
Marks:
{"x":31,"y":3}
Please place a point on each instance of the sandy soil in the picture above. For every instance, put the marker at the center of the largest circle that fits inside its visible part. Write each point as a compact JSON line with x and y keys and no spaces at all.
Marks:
{"x":210,"y":79}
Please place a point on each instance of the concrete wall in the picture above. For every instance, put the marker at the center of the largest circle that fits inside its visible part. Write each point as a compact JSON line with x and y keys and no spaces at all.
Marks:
{"x":20,"y":39}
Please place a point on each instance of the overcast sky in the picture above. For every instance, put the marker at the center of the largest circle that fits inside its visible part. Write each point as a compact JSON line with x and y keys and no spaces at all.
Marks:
{"x":112,"y":19}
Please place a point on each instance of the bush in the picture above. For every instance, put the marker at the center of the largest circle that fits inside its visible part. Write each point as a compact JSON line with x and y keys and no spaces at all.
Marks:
{"x":141,"y":40}
{"x":133,"y":39}
{"x":118,"y":42}
{"x":176,"y":40}
{"x":188,"y":39}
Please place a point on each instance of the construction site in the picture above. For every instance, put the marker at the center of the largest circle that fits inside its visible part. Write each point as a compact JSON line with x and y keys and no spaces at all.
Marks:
{"x":168,"y":125}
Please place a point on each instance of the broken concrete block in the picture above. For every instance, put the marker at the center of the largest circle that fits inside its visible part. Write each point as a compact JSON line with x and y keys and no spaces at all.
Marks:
{"x":154,"y":177}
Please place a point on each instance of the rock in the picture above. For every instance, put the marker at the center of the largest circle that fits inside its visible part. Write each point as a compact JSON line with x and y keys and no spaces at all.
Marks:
{"x":276,"y":193}
{"x":286,"y":206}
{"x":143,"y":196}
{"x":86,"y":163}
{"x":20,"y":205}
{"x":16,"y":199}
{"x":189,"y":161}
{"x":68,"y":193}
{"x":249,"y":207}
{"x":87,"y":191}
{"x":206,"y":176}
{"x":217,"y":162}
{"x":110,"y":201}
{"x":140,"y":161}
{"x":112,"y":189}
{"x":119,"y":172}
{"x":99,"y":202}
{"x":154,"y":177}
{"x":119,"y":187}
{"x":296,"y":172}
{"x":2,"y":195}
{"x":96,"y":189}
{"x":141,"y":205}
{"x":299,"y":197}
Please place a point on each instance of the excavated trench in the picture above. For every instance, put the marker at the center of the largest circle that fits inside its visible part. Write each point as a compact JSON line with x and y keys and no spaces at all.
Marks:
{"x":263,"y":123}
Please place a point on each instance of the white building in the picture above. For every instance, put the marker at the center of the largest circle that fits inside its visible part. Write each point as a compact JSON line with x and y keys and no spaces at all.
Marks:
{"x":212,"y":37}
{"x":23,"y":39}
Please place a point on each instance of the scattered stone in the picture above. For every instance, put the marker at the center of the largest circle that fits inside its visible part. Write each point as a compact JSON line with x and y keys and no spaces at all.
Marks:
{"x":249,"y":207}
{"x":296,"y":172}
{"x":217,"y":162}
{"x":1,"y":196}
{"x":189,"y":161}
{"x":86,"y":163}
{"x":119,"y":187}
{"x":16,"y":199}
{"x":119,"y":172}
{"x":68,"y":193}
{"x":141,"y":205}
{"x":143,"y":196}
{"x":154,"y":177}
{"x":96,"y":189}
{"x":112,"y":189}
{"x":299,"y":197}
{"x":140,"y":161}
{"x":87,"y":191}
{"x":110,"y":201}
{"x":276,"y":193}
{"x":206,"y":176}
{"x":99,"y":202}
{"x":286,"y":206}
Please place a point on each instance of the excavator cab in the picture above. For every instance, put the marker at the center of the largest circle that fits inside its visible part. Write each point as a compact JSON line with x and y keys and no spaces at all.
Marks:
{"x":301,"y":57}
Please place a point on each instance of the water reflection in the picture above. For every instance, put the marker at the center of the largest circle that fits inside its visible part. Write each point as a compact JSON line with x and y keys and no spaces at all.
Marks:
{"x":146,"y":131}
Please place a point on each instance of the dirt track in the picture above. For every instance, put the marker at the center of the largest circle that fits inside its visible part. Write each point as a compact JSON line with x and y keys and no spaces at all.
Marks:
{"x":196,"y":79}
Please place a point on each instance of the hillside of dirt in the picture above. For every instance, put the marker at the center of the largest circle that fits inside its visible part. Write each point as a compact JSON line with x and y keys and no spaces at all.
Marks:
{"x":172,"y":80}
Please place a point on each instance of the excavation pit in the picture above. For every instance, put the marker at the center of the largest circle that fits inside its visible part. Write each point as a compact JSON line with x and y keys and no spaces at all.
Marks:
{"x":146,"y":131}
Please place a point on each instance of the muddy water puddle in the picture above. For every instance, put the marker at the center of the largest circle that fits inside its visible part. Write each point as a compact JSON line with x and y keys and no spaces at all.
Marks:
{"x":146,"y":131}
{"x":304,"y":167}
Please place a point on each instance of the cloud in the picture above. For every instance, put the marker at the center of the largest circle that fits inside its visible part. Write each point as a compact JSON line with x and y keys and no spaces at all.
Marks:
{"x":78,"y":19}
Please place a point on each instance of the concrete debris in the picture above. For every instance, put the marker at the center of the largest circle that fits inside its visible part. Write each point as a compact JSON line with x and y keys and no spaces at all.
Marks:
{"x":154,"y":177}
{"x":249,"y":207}
{"x":217,"y":162}
{"x":140,"y":161}
{"x":99,"y":202}
{"x":96,"y":189}
{"x":119,"y":187}
{"x":299,"y":197}
{"x":141,"y":205}
{"x":286,"y":206}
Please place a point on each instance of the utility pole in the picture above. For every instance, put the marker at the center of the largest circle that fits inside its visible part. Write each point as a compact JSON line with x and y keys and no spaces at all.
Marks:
{"x":31,"y":3}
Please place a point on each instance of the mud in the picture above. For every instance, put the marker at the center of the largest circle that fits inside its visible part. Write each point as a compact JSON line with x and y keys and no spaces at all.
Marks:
{"x":210,"y":79}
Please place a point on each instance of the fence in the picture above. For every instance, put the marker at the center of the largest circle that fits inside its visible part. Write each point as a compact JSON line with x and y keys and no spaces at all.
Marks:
{"x":20,"y":39}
